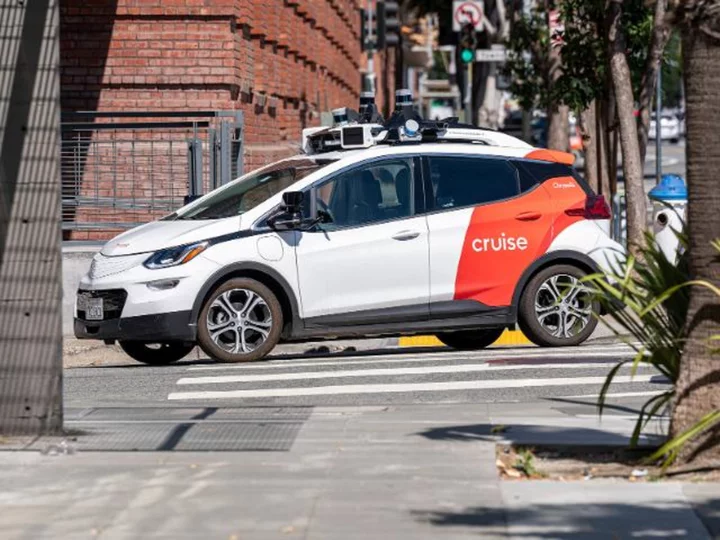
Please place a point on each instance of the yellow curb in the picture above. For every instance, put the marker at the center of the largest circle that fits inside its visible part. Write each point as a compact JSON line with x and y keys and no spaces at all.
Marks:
{"x":508,"y":337}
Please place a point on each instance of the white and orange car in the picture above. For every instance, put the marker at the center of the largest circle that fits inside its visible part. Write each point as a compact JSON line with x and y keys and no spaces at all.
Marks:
{"x":373,"y":231}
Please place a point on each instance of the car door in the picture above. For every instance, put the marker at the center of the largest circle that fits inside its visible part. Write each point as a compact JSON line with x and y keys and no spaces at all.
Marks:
{"x":486,"y":226}
{"x":369,"y":263}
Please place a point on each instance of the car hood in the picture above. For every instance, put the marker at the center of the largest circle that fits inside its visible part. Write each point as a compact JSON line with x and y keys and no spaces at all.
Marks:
{"x":165,"y":234}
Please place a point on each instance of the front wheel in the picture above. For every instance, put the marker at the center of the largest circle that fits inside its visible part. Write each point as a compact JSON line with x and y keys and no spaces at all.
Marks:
{"x":471,"y":340}
{"x":556,"y":309}
{"x":241,"y":321}
{"x":156,"y":354}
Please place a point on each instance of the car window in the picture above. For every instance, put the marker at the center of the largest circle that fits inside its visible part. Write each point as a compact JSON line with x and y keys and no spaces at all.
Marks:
{"x":368,"y":194}
{"x":469,"y":181}
{"x":542,"y":171}
{"x":250,"y":191}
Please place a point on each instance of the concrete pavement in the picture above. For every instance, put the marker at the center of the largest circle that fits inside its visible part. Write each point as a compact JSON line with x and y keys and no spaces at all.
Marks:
{"x":422,"y":471}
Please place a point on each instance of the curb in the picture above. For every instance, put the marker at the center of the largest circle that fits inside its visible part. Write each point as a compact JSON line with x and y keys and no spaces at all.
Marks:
{"x":508,"y":337}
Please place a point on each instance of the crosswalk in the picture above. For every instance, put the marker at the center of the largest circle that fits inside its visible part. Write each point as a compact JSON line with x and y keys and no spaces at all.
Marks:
{"x":407,"y":376}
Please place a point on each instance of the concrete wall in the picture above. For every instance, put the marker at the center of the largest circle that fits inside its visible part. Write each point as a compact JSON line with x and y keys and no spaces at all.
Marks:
{"x":76,"y":257}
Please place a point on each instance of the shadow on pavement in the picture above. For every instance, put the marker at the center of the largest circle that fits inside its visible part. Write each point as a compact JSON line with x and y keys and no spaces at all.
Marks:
{"x":593,"y":405}
{"x":529,"y":434}
{"x":585,"y":519}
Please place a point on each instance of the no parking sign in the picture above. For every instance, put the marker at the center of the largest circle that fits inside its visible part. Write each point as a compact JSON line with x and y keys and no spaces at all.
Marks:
{"x":470,"y":12}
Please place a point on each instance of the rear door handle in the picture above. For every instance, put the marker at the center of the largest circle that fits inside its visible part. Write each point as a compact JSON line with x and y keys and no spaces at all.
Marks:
{"x":405,"y":235}
{"x":528,"y":216}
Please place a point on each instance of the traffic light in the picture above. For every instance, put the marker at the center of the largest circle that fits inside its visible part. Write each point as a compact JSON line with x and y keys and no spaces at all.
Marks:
{"x":364,"y":31}
{"x":467,"y":43}
{"x":388,"y":25}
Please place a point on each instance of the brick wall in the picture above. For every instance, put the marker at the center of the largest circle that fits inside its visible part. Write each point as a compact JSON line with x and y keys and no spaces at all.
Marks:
{"x":281,"y":62}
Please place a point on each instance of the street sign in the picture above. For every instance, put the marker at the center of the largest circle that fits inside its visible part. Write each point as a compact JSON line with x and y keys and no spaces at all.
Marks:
{"x":490,"y":55}
{"x":467,"y":11}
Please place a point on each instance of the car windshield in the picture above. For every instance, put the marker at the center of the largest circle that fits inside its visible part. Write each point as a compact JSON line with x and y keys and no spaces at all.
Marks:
{"x":252,"y":190}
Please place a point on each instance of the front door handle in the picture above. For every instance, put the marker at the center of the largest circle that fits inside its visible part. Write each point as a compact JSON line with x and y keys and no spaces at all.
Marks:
{"x":405,"y":235}
{"x":528,"y":216}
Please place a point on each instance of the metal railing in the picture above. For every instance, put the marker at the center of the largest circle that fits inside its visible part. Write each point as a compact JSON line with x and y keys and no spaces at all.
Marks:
{"x":117,"y":173}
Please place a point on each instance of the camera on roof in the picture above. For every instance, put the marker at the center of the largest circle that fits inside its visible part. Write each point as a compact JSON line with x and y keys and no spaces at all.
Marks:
{"x":344,"y":116}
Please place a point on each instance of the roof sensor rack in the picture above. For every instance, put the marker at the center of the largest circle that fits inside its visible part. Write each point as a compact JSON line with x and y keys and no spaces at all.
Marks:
{"x":355,"y":130}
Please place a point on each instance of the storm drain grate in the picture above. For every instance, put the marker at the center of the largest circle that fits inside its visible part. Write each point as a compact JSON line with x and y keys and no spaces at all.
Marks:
{"x":162,"y":429}
{"x":180,"y":414}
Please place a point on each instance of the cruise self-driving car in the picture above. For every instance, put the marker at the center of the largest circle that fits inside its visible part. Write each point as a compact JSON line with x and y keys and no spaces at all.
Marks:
{"x":391,"y":229}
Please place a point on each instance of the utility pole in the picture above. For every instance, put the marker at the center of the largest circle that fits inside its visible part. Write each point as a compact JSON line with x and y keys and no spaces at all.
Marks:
{"x":468,"y":44}
{"x":658,"y":129}
{"x":368,"y":44}
{"x":30,"y":220}
{"x":468,"y":93}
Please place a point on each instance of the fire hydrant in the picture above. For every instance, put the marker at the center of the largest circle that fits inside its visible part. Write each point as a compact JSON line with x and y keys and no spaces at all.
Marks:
{"x":669,"y":200}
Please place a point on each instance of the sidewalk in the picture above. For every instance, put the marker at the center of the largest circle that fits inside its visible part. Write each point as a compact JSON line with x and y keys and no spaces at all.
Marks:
{"x":410,"y":472}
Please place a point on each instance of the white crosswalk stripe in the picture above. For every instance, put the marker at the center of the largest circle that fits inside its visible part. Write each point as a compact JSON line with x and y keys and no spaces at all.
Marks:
{"x":611,"y":351}
{"x":580,"y":371}
{"x":397,"y":388}
{"x":464,"y":368}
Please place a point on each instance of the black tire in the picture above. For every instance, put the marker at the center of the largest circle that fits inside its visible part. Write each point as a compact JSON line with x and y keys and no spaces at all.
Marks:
{"x":156,"y":354}
{"x":471,"y":340}
{"x":246,"y":323}
{"x":674,"y":141}
{"x":540,"y":334}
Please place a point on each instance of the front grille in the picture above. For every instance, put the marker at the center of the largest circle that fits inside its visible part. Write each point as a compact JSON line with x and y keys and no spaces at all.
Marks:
{"x":113,"y":302}
{"x":102,"y":266}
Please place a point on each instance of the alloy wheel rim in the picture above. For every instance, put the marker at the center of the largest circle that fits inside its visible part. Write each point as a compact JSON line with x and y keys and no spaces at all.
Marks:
{"x":239,"y":321}
{"x":563,"y":306}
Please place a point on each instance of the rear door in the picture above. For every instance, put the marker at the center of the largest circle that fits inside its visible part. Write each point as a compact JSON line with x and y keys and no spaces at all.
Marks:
{"x":487,"y":224}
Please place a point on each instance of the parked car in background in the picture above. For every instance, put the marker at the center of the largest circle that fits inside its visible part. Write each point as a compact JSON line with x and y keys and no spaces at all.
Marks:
{"x":538,"y":128}
{"x":669,"y":127}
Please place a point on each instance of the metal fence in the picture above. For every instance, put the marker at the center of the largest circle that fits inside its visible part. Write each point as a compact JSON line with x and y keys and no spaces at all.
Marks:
{"x":121,"y":169}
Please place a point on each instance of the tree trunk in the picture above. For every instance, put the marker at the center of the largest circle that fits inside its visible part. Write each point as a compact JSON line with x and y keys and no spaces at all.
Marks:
{"x":558,"y":138}
{"x":660,"y":35}
{"x":698,"y":388}
{"x":594,"y":135}
{"x":632,"y":166}
{"x":589,"y":136}
{"x":558,"y":127}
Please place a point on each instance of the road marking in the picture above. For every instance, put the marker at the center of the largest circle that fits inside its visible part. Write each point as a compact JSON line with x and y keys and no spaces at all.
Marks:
{"x":617,"y":394}
{"x":401,"y":388}
{"x":580,"y":352}
{"x":307,"y":375}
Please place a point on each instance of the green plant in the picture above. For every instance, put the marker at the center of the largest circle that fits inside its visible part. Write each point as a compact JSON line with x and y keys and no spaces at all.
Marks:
{"x":656,"y":301}
{"x":656,"y":297}
{"x":525,"y":462}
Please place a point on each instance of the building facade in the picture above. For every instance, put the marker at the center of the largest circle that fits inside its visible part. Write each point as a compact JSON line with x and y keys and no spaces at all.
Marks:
{"x":281,"y":62}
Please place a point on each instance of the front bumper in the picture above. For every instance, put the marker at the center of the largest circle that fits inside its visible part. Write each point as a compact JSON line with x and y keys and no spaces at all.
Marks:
{"x":160,"y":327}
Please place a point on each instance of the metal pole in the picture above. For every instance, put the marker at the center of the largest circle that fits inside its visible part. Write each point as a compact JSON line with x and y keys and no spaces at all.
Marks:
{"x":658,"y":131}
{"x":371,"y":37}
{"x":468,"y":92}
{"x":30,"y":221}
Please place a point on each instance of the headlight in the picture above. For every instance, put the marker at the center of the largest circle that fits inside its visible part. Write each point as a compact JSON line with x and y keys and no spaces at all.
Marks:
{"x":175,"y":256}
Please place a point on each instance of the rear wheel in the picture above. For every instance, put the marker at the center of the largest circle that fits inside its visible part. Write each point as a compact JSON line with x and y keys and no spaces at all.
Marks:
{"x":556,"y":309}
{"x":470,"y":340}
{"x":156,"y":354}
{"x":241,"y":321}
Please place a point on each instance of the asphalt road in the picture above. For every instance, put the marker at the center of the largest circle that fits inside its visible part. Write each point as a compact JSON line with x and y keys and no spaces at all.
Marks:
{"x":381,"y":377}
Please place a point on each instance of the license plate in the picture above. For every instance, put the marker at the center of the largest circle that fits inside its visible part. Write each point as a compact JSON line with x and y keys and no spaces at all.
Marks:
{"x":94,"y":309}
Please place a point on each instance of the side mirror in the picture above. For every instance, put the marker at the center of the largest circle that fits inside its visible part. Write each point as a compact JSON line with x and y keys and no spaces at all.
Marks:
{"x":285,"y":221}
{"x":293,"y":200}
{"x":289,"y":215}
